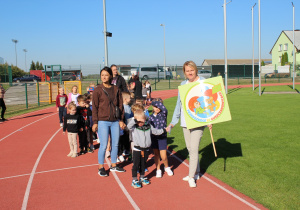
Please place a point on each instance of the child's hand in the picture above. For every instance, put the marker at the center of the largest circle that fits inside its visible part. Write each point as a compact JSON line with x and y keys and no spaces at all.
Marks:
{"x":81,"y":129}
{"x":122,"y":125}
{"x":95,"y":128}
{"x":210,"y":126}
{"x":168,"y":129}
{"x":57,"y":109}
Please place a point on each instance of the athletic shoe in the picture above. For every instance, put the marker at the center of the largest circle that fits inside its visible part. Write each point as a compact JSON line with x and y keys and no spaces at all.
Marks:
{"x":102,"y":172}
{"x":117,"y":169}
{"x":61,"y":125}
{"x":144,"y":181}
{"x":196,"y":177}
{"x":98,"y":141}
{"x":3,"y":119}
{"x":192,"y":182}
{"x":89,"y":150}
{"x":169,"y":171}
{"x":92,"y":147}
{"x":125,"y":153}
{"x":136,"y":184}
{"x":70,"y":154}
{"x":74,"y":155}
{"x":158,"y":173}
{"x":121,"y":158}
{"x":82,"y":152}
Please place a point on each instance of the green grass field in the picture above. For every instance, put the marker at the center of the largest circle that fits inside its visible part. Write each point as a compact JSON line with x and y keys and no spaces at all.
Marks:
{"x":258,"y":150}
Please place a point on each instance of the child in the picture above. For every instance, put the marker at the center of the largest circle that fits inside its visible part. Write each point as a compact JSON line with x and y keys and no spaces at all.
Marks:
{"x":84,"y":112}
{"x":141,"y":132}
{"x":149,"y":90}
{"x":90,"y":88}
{"x":2,"y":103}
{"x":61,"y":105}
{"x":124,"y":144}
{"x":144,"y":93}
{"x":141,"y":102}
{"x":72,"y":124}
{"x":159,"y":143}
{"x":73,"y":95}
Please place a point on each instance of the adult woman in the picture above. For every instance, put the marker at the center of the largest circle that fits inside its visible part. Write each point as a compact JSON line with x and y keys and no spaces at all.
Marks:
{"x":118,"y":80}
{"x":2,"y":103}
{"x":105,"y":99}
{"x":192,"y":136}
{"x":137,"y":87}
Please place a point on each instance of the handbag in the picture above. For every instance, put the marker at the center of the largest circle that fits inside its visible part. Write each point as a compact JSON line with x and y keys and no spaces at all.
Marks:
{"x":117,"y":109}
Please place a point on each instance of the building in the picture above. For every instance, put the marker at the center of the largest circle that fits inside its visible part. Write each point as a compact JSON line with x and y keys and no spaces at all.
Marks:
{"x":283,"y":44}
{"x":209,"y":62}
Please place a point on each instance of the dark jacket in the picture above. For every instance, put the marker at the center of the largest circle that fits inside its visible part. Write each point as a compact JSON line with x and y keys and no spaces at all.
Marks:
{"x":102,"y":107}
{"x":121,"y":84}
{"x":160,"y":120}
{"x":72,"y":123}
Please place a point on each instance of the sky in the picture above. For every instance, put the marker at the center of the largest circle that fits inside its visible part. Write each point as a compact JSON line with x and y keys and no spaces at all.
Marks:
{"x":70,"y":32}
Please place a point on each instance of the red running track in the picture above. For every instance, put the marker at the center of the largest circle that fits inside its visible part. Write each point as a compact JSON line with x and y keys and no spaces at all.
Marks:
{"x":35,"y":173}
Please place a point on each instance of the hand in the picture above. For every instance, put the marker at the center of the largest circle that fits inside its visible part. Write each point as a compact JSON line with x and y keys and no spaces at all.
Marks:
{"x":168,"y":129}
{"x":171,"y":125}
{"x":57,"y":109}
{"x":81,"y":129}
{"x":95,"y":128}
{"x":122,"y":125}
{"x":210,"y":126}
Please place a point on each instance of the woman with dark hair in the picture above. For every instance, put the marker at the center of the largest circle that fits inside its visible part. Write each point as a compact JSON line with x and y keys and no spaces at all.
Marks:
{"x":107,"y":103}
{"x":137,"y":87}
{"x":118,"y":80}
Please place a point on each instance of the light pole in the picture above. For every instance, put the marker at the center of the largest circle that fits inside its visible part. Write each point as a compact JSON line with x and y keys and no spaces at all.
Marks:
{"x":225,"y":44}
{"x":105,"y":37}
{"x":294,"y":55}
{"x":259,"y":47}
{"x":164,"y":49}
{"x":15,"y":41}
{"x":25,"y":59}
{"x":253,"y":47}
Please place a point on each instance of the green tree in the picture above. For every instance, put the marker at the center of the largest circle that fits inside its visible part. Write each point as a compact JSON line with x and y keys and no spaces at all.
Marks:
{"x":17,"y":72}
{"x":40,"y":67}
{"x":263,"y":63}
{"x":286,"y":58}
{"x":37,"y":65}
{"x":32,"y":66}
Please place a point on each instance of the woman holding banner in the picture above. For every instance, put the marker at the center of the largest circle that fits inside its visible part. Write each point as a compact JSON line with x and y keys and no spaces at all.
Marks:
{"x":192,"y":136}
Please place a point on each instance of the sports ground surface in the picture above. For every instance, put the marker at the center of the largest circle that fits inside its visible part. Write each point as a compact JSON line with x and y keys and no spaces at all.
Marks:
{"x":35,"y":173}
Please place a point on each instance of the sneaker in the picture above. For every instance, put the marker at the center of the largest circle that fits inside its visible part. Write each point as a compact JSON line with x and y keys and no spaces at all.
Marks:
{"x":92,"y":147}
{"x":186,"y":178}
{"x":169,"y":171}
{"x":98,"y":141}
{"x":136,"y":184}
{"x":121,"y":158}
{"x":82,"y":152}
{"x":158,"y":173}
{"x":144,"y":181}
{"x":61,"y":125}
{"x":118,"y":161}
{"x":89,"y":150}
{"x":117,"y":169}
{"x":102,"y":172}
{"x":70,"y":154}
{"x":125,"y":153}
{"x":192,"y":182}
{"x":74,"y":155}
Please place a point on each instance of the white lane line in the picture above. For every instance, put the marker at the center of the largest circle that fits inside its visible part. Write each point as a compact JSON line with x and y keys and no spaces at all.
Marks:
{"x":134,"y":205}
{"x":216,"y":184}
{"x":26,"y":196}
{"x":53,"y":170}
{"x":26,"y":126}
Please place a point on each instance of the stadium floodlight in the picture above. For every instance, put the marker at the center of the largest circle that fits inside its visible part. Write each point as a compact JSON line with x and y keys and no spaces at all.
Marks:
{"x":25,"y":58}
{"x":15,"y":41}
{"x":253,"y":47}
{"x":163,"y":25}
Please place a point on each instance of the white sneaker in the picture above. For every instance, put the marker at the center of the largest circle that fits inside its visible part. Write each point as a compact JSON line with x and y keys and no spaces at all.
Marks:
{"x":61,"y":125}
{"x":121,"y":158}
{"x":158,"y":173}
{"x":98,"y":141}
{"x":70,"y":154}
{"x":192,"y":182}
{"x":169,"y":171}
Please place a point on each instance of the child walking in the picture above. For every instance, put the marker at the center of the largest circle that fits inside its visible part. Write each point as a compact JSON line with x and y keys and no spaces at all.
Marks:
{"x":159,"y":143}
{"x":72,"y":124}
{"x":73,"y":95}
{"x":141,"y":134}
{"x":61,"y":105}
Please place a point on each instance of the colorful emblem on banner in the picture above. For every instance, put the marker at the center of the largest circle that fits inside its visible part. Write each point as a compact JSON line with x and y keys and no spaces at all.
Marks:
{"x":204,"y":102}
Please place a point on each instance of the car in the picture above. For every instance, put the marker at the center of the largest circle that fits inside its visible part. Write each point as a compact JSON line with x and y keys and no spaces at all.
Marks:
{"x":153,"y":72}
{"x":27,"y":78}
{"x":204,"y":73}
{"x":66,"y":76}
{"x":277,"y":75}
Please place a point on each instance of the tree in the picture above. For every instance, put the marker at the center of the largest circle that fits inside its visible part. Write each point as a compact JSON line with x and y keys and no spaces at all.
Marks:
{"x":32,"y":66}
{"x":284,"y":59}
{"x":37,"y":65}
{"x":40,"y":67}
{"x":263,"y":63}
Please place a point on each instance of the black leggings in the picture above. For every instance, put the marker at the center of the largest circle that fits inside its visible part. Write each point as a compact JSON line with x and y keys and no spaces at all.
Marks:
{"x":2,"y":104}
{"x":139,"y":162}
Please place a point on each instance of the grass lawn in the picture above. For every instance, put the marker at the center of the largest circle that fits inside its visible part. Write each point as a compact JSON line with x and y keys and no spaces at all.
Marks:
{"x":258,"y":151}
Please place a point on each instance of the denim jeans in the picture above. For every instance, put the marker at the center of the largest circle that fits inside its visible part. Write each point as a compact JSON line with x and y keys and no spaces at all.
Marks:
{"x":103,"y":131}
{"x":62,"y":112}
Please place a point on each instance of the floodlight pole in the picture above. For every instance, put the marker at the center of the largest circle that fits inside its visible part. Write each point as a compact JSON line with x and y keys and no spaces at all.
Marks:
{"x":294,"y":55}
{"x":259,"y":47}
{"x":15,"y":41}
{"x":105,"y":35}
{"x":225,"y":44}
{"x":163,"y":25}
{"x":25,"y":59}
{"x":253,"y":47}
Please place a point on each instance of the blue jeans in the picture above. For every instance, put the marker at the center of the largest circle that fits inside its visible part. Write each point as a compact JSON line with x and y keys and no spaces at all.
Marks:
{"x":62,"y":112}
{"x":103,"y":131}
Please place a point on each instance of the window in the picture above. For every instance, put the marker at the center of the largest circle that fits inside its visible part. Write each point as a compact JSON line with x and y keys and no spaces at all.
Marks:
{"x":279,"y":59}
{"x":286,"y":47}
{"x":280,"y":47}
{"x":148,"y":69}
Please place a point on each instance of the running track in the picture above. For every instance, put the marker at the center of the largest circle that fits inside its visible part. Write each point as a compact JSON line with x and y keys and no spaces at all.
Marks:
{"x":35,"y":173}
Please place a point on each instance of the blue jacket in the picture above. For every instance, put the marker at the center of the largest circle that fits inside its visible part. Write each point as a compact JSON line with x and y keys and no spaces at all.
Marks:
{"x":177,"y":111}
{"x":160,"y":120}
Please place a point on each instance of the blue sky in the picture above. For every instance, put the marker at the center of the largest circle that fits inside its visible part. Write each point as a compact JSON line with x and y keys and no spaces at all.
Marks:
{"x":70,"y":32}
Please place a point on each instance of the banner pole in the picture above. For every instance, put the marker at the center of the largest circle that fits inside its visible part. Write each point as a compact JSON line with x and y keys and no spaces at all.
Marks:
{"x":212,"y":141}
